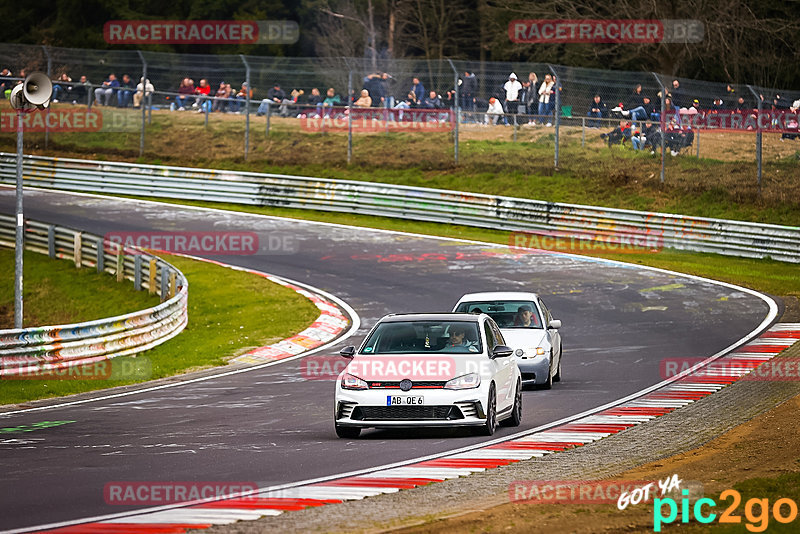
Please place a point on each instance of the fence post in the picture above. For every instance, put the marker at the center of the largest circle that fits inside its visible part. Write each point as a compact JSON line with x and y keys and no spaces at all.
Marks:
{"x":457,"y":111}
{"x":151,"y":286}
{"x":47,"y":111}
{"x":101,"y":264}
{"x":51,"y":241}
{"x":173,"y":283}
{"x":758,"y":134}
{"x":349,"y":117}
{"x":246,"y":114}
{"x":164,"y":271}
{"x":120,"y":263}
{"x":662,"y":120}
{"x":269,"y":116}
{"x":557,"y":117}
{"x":144,"y":101}
{"x":697,"y":138}
{"x":583,"y":132}
{"x":137,"y":272}
{"x":205,"y":109}
{"x":76,"y":250}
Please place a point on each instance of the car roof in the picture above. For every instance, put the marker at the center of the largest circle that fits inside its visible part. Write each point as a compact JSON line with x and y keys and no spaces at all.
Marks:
{"x":397,"y":317}
{"x":500,"y":295}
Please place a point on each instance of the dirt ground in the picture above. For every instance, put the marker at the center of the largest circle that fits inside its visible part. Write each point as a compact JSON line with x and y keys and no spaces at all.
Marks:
{"x":766,"y":446}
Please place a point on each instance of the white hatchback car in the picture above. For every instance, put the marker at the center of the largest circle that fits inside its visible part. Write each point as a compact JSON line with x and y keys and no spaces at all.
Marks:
{"x":433,"y":370}
{"x":527,"y":326}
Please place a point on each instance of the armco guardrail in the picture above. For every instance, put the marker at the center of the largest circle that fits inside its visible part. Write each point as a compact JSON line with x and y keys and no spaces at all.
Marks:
{"x":700,"y":234}
{"x":39,"y":350}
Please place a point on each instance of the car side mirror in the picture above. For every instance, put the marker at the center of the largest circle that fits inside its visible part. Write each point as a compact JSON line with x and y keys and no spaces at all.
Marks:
{"x":554,"y":324}
{"x":501,"y":351}
{"x":348,"y":351}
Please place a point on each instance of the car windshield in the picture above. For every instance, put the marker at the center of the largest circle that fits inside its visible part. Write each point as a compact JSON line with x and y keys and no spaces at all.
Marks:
{"x":506,"y":313}
{"x":405,"y":337}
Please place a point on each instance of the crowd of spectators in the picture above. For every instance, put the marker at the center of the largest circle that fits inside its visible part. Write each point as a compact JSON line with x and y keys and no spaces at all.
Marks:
{"x":529,"y":100}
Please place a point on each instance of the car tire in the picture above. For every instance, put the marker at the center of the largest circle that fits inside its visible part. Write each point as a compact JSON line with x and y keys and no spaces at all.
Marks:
{"x":490,"y":426}
{"x":548,"y":383}
{"x":516,"y":411}
{"x":350,"y":432}
{"x":557,"y":378}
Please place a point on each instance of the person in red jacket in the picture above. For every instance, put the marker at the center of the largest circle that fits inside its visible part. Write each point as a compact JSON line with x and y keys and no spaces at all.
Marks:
{"x":203,"y":91}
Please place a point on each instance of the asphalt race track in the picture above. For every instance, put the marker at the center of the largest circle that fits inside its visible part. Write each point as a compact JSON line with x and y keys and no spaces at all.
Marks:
{"x":273,"y":426}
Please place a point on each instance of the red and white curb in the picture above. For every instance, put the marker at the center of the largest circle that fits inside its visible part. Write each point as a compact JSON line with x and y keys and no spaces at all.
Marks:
{"x":328,"y":326}
{"x":686,"y":388}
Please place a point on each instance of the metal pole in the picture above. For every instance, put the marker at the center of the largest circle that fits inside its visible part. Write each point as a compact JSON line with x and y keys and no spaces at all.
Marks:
{"x":47,"y":111}
{"x":583,"y":132}
{"x":269,"y":116}
{"x":457,"y":111}
{"x":19,"y":242}
{"x":662,"y":121}
{"x":697,"y":138}
{"x":349,"y":117}
{"x":557,"y":112}
{"x":144,"y":101}
{"x":758,"y":134}
{"x":247,"y":107}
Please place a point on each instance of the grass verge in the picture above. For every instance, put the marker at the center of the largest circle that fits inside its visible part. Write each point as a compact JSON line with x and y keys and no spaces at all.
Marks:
{"x":230,"y":312}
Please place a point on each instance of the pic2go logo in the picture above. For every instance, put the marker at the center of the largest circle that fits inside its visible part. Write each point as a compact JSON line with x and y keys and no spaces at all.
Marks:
{"x":756,"y":511}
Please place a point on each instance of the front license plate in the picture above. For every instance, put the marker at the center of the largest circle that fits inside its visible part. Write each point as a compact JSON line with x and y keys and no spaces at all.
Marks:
{"x":396,"y":400}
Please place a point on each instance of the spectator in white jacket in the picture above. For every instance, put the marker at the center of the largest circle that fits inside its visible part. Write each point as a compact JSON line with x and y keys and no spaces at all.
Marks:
{"x":546,"y":93}
{"x":143,"y":88}
{"x":512,"y":89}
{"x":494,"y":111}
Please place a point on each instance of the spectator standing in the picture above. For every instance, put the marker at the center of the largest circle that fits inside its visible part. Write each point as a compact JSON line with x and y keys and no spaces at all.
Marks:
{"x":418,"y":89}
{"x":376,"y":87}
{"x":677,"y":95}
{"x":546,"y":91}
{"x":532,"y":97}
{"x":469,"y":91}
{"x":104,"y":93}
{"x":144,"y":89}
{"x":597,"y":109}
{"x":6,"y":82}
{"x":125,"y":92}
{"x":512,"y":89}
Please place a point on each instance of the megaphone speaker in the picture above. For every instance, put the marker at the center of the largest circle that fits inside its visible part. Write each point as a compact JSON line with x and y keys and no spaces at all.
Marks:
{"x":16,"y":99}
{"x":37,"y":89}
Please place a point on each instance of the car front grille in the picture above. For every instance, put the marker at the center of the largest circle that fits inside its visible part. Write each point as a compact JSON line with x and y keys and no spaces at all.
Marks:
{"x":406,"y":413}
{"x":428,"y":384}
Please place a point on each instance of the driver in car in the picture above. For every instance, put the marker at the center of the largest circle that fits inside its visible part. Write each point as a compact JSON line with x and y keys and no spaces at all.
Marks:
{"x":523,"y":317}
{"x":458,"y":341}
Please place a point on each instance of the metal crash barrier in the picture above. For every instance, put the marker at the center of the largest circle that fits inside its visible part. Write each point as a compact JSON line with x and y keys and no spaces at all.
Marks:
{"x":39,"y":350}
{"x":699,"y":234}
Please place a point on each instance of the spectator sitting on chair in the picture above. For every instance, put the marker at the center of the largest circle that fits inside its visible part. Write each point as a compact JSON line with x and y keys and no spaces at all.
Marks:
{"x":598,"y":110}
{"x":80,"y":91}
{"x":433,"y":101}
{"x":717,"y":106}
{"x":241,"y":97}
{"x":221,"y":97}
{"x":275,"y":96}
{"x":619,"y":134}
{"x":125,"y":92}
{"x":494,"y":111}
{"x":184,"y":98}
{"x":331,"y":100}
{"x":62,"y":88}
{"x":648,"y":136}
{"x":203,"y":92}
{"x":143,"y":89}
{"x":364,"y":101}
{"x":103,"y":94}
{"x":676,"y":138}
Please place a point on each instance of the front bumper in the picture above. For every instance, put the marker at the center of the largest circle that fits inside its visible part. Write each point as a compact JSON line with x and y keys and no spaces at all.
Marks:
{"x":442,"y":408}
{"x":534,"y":370}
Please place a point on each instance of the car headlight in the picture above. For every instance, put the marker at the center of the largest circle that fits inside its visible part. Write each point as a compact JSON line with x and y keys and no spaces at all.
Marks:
{"x":469,"y":381}
{"x":353,"y":382}
{"x":530,"y":352}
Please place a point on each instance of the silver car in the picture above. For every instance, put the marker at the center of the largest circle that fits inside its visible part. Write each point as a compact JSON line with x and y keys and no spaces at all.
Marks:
{"x":527,"y":326}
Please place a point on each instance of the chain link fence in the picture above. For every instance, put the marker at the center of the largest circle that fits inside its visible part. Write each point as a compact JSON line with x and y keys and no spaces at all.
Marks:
{"x":456,"y":100}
